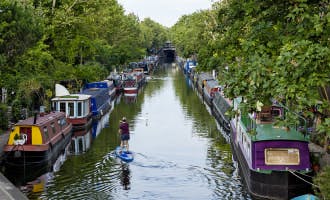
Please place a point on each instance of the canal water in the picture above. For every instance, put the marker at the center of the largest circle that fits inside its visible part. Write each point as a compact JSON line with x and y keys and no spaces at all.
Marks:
{"x":180,"y":151}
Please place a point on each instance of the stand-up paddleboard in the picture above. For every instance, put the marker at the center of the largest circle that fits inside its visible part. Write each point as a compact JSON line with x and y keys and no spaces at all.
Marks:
{"x":124,"y":155}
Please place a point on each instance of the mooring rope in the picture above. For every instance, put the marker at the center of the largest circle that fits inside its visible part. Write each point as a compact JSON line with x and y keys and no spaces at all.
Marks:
{"x":293,"y":173}
{"x":303,"y":174}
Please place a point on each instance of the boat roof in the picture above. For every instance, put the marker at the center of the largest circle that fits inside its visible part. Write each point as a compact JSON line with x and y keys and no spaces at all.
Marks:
{"x":41,"y":119}
{"x":270,"y":132}
{"x":100,"y":84}
{"x":205,"y":76}
{"x":72,"y":97}
{"x":212,"y":83}
{"x":94,"y":91}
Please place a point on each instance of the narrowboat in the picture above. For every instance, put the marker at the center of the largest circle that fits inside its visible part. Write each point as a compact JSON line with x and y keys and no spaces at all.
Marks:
{"x":167,"y":54}
{"x":34,"y":144}
{"x":76,"y":106}
{"x":274,"y":161}
{"x":117,"y":82}
{"x":144,"y":65}
{"x":103,"y":84}
{"x":220,"y":106}
{"x":101,"y":99}
{"x":133,"y":81}
{"x":210,"y":88}
{"x":189,"y":65}
{"x":206,"y":86}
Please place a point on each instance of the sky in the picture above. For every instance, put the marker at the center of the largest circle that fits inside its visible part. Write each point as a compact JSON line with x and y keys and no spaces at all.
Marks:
{"x":165,"y":12}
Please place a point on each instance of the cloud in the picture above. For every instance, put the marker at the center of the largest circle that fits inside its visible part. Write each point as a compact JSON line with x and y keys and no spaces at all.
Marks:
{"x":165,"y":12}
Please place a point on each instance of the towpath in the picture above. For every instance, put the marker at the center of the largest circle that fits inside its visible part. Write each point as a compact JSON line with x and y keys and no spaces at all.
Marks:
{"x":7,"y":190}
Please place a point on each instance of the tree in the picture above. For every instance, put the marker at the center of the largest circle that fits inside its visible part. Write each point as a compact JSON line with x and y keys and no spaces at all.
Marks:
{"x":154,"y":35}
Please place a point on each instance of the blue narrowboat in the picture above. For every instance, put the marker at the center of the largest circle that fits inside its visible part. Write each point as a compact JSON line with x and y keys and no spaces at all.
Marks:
{"x":101,"y":97}
{"x":274,"y":161}
{"x":189,"y":65}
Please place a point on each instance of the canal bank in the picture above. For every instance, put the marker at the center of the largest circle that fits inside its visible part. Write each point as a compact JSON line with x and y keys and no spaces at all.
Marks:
{"x":7,"y":190}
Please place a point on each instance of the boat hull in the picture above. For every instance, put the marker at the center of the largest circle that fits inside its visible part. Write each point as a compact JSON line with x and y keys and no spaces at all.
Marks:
{"x":219,"y":107}
{"x":80,"y":123}
{"x":130,"y":90}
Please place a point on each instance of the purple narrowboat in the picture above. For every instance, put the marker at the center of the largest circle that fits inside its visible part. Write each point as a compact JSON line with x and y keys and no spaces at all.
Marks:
{"x":274,"y":161}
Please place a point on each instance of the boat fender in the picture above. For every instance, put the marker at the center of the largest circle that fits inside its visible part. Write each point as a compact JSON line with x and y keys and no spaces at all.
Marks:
{"x":101,"y":112}
{"x":62,"y":135}
{"x":17,"y":154}
{"x":50,"y":145}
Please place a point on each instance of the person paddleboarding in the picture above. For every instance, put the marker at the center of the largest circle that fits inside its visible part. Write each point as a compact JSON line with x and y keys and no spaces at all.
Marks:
{"x":124,"y":134}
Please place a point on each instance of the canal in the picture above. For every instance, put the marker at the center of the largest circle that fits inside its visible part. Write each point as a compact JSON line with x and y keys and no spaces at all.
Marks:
{"x":180,"y":151}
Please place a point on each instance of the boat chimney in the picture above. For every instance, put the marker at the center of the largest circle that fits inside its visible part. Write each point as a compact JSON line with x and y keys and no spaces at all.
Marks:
{"x":42,"y":111}
{"x":35,"y":117}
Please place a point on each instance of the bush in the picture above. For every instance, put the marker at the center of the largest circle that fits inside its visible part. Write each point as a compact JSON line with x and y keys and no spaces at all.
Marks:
{"x":3,"y":117}
{"x":322,"y":181}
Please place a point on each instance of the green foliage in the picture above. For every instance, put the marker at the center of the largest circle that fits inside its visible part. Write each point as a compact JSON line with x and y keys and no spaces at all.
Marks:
{"x":189,"y":34}
{"x":44,"y":42}
{"x":3,"y":117}
{"x":154,"y":35}
{"x":91,"y":72}
{"x":322,"y":181}
{"x":20,"y":29}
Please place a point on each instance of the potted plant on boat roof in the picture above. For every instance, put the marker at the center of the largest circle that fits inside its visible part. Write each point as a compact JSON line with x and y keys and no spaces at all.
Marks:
{"x":19,"y":139}
{"x":289,"y":120}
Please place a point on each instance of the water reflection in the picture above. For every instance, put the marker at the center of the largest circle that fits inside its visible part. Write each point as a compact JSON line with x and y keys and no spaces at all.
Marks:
{"x":38,"y":185}
{"x":98,"y":125}
{"x":81,"y":141}
{"x":130,"y":98}
{"x":125,"y":176}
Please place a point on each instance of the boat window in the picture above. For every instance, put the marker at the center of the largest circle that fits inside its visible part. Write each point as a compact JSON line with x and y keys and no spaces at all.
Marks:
{"x":53,"y":128}
{"x":266,"y":113}
{"x":46,"y":133}
{"x":71,"y":109}
{"x":282,"y":156}
{"x":79,"y":109}
{"x":86,"y":108}
{"x":62,"y":107}
{"x":276,"y":111}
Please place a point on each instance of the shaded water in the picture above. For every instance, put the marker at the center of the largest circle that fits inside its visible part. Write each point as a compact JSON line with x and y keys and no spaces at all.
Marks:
{"x":179,"y":151}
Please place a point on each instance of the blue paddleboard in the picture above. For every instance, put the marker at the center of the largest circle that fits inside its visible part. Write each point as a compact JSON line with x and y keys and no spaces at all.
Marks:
{"x":306,"y":197}
{"x":124,"y":155}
